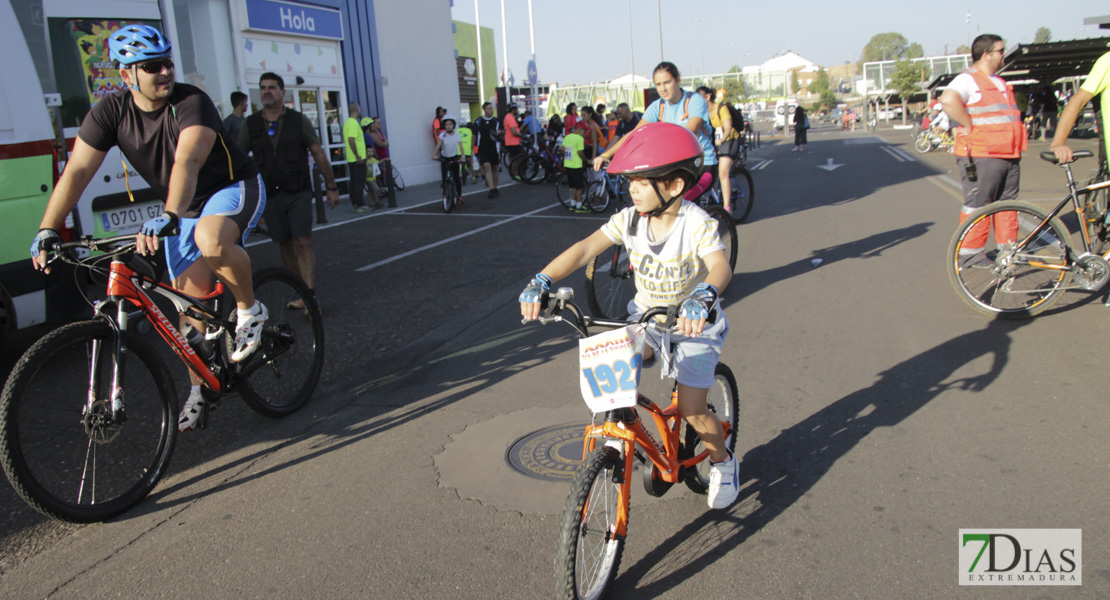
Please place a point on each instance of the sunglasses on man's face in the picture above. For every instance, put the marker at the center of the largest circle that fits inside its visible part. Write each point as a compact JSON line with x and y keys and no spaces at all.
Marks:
{"x":156,"y":67}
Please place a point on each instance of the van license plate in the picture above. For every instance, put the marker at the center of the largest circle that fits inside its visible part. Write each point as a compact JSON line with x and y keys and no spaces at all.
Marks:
{"x":127,"y":219}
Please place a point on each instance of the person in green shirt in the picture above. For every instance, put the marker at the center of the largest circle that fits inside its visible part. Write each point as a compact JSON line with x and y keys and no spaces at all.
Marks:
{"x":574,"y":145}
{"x":466,"y":134}
{"x":1097,"y":84}
{"x":355,"y":146}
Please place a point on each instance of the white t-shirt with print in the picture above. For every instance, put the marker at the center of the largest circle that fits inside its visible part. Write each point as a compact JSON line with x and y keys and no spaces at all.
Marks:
{"x":666,"y":270}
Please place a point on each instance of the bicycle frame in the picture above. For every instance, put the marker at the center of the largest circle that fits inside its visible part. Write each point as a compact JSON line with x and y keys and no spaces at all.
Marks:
{"x":1073,"y":197}
{"x":123,"y":290}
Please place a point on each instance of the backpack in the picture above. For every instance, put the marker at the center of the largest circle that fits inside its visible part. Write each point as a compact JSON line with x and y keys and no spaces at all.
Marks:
{"x":735,"y":115}
{"x":686,"y":114}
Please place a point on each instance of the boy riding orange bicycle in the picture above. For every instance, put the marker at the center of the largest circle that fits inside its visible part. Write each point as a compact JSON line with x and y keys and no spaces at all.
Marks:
{"x":678,"y":260}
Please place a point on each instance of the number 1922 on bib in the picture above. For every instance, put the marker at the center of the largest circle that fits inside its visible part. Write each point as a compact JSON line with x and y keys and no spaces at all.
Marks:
{"x":610,"y":366}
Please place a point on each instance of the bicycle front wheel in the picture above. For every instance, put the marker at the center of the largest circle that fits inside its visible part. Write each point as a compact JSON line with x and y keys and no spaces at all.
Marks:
{"x":1000,"y":277}
{"x":77,"y":463}
{"x":723,"y":401}
{"x":743,"y":194}
{"x":398,"y":181}
{"x":726,"y":229}
{"x":562,"y":191}
{"x":609,"y":283}
{"x":448,"y":199}
{"x":923,"y":144}
{"x":292,"y":350}
{"x":535,"y":169}
{"x":589,"y":550}
{"x":597,"y":196}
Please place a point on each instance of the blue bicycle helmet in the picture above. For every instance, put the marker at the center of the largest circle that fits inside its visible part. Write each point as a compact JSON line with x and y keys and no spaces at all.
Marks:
{"x":132,"y":44}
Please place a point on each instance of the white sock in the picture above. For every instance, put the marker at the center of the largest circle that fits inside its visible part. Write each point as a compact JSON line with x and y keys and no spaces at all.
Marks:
{"x":248,"y":313}
{"x":194,"y":390}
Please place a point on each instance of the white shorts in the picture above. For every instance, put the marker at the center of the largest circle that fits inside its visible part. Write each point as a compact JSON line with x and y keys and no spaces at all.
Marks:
{"x":695,"y":359}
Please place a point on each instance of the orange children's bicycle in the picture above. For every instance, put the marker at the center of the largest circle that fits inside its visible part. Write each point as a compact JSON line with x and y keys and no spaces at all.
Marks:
{"x":88,"y":416}
{"x":594,"y":523}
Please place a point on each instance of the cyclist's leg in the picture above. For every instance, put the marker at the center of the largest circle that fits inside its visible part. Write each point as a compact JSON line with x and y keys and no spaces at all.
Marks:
{"x":724,"y":168}
{"x":454,"y":167}
{"x":218,"y":235}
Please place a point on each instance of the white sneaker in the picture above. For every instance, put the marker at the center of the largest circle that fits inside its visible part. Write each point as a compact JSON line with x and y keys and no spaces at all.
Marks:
{"x":191,"y":413}
{"x":248,"y":333}
{"x":724,"y":482}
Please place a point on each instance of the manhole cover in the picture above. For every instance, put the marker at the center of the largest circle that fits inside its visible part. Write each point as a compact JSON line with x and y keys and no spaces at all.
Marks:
{"x":550,"y":454}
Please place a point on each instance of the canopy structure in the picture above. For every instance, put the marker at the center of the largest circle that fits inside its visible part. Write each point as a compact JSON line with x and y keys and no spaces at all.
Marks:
{"x":1044,"y":63}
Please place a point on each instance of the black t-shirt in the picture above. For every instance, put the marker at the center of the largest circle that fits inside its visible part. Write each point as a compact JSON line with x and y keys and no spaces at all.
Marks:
{"x":625,"y":127}
{"x":149,"y":140}
{"x":487,"y":132}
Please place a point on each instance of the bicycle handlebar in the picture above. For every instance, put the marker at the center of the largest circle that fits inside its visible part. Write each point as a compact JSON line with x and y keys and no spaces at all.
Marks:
{"x":559,"y":301}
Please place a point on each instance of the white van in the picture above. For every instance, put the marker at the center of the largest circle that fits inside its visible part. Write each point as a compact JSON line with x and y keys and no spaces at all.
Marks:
{"x":55,"y":69}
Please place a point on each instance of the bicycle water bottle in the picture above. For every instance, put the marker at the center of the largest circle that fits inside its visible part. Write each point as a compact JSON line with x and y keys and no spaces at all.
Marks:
{"x":198,"y":343}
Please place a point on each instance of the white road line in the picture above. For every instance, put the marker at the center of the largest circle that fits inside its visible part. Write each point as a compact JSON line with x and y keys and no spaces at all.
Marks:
{"x":376,"y":214}
{"x":891,"y":152}
{"x":950,"y":181}
{"x":903,"y":154}
{"x":763,"y":165}
{"x":451,"y":239}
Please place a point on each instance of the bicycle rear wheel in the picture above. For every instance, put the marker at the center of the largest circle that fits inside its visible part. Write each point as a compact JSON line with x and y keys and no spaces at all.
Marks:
{"x":1009,"y":280}
{"x":79,"y":465}
{"x":589,"y":550}
{"x":535,"y":169}
{"x":292,"y":351}
{"x":743,"y":194}
{"x":724,"y":401}
{"x":726,"y":229}
{"x":609,"y":283}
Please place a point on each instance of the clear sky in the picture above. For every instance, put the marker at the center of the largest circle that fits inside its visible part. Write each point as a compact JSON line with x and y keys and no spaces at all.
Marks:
{"x":584,"y":41}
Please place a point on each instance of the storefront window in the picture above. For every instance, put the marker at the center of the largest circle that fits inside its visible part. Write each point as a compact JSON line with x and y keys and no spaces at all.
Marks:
{"x":204,"y":42}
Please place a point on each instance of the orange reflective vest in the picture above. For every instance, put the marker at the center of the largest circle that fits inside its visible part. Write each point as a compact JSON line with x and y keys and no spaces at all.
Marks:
{"x":997,"y":130}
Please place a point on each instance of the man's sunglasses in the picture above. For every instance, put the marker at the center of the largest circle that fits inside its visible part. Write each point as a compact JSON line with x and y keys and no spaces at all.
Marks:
{"x":155,"y":67}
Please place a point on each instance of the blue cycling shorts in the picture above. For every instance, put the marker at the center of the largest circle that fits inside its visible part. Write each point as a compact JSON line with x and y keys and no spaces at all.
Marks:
{"x":241,"y":202}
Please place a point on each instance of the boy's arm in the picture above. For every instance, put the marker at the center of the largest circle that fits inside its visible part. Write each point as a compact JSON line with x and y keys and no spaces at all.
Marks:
{"x":574,"y":258}
{"x":720,"y":273}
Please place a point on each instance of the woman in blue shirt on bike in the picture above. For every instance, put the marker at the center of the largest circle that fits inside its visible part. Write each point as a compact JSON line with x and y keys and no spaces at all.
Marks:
{"x":681,"y":107}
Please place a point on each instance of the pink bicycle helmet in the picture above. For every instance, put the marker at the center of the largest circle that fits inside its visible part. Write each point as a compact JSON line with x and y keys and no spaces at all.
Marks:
{"x":658,"y":150}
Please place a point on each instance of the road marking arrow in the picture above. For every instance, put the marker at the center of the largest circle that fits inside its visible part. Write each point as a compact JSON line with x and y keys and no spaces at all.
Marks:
{"x":830,"y":166}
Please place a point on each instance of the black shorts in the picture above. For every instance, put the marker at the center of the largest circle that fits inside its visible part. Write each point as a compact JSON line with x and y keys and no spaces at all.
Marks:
{"x":288,"y":215}
{"x":730,"y":148}
{"x":487,"y":154}
{"x":576,"y":178}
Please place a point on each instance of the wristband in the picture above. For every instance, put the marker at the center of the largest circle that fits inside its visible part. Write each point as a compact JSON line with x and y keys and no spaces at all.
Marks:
{"x":333,"y":189}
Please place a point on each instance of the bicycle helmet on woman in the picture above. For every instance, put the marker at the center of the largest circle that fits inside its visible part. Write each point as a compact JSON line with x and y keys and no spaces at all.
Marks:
{"x":659,"y":150}
{"x":133,"y":44}
{"x":448,"y":117}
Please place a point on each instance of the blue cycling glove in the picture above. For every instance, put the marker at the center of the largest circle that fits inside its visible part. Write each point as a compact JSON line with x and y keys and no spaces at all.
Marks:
{"x":540,"y":285}
{"x":44,"y":241}
{"x":161,"y":226}
{"x":700,"y":302}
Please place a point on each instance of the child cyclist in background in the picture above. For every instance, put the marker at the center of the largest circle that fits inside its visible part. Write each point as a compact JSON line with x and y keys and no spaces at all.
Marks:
{"x":678,"y":260}
{"x":449,"y":146}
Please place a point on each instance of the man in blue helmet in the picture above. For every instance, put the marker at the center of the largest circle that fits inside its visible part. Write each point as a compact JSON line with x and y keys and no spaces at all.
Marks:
{"x":172,"y":135}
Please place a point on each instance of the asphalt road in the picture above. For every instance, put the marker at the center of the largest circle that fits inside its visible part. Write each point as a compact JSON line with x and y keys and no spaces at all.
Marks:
{"x":879,"y":415}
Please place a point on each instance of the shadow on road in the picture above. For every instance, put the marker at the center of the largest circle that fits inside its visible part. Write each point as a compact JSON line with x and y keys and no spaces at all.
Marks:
{"x":777,"y":474}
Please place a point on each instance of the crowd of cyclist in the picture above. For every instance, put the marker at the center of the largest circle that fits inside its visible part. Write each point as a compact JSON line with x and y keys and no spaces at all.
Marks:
{"x":718,"y":126}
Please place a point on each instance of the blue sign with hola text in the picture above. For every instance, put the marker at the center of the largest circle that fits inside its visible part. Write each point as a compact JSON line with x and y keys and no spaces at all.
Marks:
{"x":294,"y":19}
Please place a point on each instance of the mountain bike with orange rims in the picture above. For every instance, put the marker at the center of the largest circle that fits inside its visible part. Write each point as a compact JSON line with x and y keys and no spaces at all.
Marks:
{"x":88,"y":416}
{"x":1013,"y":259}
{"x":594,"y":523}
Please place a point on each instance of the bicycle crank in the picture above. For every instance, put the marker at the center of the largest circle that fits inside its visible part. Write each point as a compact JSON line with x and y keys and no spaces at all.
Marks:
{"x":1091,"y":272}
